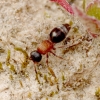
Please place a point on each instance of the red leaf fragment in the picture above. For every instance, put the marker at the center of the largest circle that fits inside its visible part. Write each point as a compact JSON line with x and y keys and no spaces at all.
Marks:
{"x":86,"y":17}
{"x":92,"y":34}
{"x":65,"y":5}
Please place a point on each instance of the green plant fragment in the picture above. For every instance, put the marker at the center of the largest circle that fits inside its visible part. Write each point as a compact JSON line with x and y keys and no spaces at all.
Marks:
{"x":94,"y":10}
{"x":46,"y":15}
{"x":1,"y":68}
{"x":52,"y":94}
{"x":29,"y":95}
{"x":46,"y":98}
{"x":97,"y":93}
{"x":20,"y":82}
{"x":45,"y":78}
{"x":11,"y":77}
{"x":52,"y":72}
{"x":2,"y":50}
{"x":12,"y":68}
{"x":63,"y":77}
{"x":84,"y":4}
{"x":25,"y":62}
{"x":8,"y":58}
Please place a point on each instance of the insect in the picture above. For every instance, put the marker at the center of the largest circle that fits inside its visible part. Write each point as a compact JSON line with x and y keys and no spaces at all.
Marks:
{"x":57,"y":35}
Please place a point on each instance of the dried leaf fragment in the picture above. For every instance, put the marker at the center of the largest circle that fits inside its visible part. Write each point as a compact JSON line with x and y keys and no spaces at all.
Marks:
{"x":65,"y":5}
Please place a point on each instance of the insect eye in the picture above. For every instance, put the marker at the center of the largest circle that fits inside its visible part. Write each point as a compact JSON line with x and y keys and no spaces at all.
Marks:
{"x":35,"y":56}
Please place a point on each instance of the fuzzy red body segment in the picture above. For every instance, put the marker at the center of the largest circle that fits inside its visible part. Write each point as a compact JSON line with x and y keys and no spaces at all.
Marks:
{"x":45,"y":46}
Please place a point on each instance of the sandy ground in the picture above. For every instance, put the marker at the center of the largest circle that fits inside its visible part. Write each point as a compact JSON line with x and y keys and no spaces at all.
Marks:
{"x":23,"y":25}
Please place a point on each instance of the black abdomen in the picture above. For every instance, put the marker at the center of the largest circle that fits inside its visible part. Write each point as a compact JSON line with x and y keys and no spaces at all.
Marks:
{"x":59,"y":33}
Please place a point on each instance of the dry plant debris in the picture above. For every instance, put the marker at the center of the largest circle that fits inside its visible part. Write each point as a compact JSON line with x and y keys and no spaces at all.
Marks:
{"x":71,"y":75}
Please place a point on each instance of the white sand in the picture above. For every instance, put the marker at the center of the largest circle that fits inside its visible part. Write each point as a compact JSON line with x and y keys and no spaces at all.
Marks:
{"x":24,"y":24}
